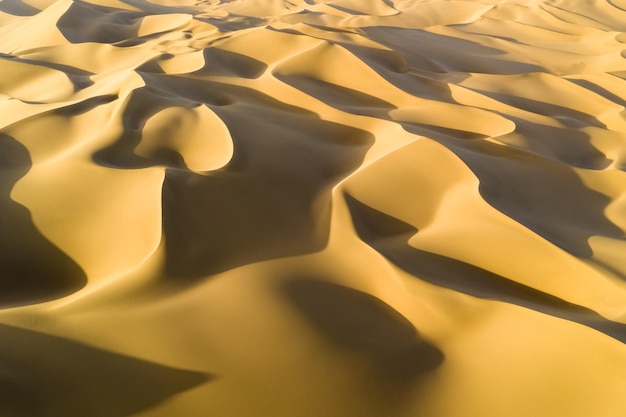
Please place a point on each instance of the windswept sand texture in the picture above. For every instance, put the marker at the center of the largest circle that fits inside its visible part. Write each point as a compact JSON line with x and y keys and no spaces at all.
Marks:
{"x":306,"y":208}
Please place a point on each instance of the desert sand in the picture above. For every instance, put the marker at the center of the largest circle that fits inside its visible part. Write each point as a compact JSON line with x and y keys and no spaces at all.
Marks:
{"x":307,"y":208}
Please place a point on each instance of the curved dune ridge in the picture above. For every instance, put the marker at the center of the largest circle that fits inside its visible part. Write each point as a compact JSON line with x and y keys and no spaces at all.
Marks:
{"x":402,"y":208}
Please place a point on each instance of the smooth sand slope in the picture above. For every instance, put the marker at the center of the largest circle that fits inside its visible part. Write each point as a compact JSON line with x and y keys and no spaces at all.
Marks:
{"x":306,"y":208}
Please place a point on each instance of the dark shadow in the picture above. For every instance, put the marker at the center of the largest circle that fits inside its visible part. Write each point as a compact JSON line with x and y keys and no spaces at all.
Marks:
{"x":569,"y":117}
{"x":152,"y":65}
{"x":395,"y":69}
{"x":546,"y":196}
{"x":463,"y":277}
{"x":439,"y":132}
{"x":220,"y":62}
{"x":78,"y":77}
{"x":346,"y":10}
{"x":273,"y":198}
{"x":84,"y":106}
{"x":462,"y":27}
{"x":143,"y":103}
{"x":417,"y":77}
{"x":317,"y":26}
{"x":86,"y":22}
{"x":609,"y":95}
{"x":272,"y":201}
{"x":618,"y":74}
{"x":153,"y":8}
{"x":429,"y":51}
{"x":138,"y":40}
{"x":233,"y":22}
{"x":17,"y":8}
{"x":49,"y":376}
{"x":569,"y":146}
{"x":31,"y":268}
{"x":342,"y":98}
{"x":612,"y":3}
{"x":364,"y":325}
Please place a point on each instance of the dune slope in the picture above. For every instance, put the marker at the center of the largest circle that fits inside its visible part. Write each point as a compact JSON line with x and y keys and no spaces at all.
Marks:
{"x":403,"y":208}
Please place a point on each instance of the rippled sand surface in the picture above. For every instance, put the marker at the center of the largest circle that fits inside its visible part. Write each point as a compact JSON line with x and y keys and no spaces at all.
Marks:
{"x":383,"y":208}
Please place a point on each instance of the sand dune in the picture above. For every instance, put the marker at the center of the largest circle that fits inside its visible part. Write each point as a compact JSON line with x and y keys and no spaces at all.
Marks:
{"x":403,"y":208}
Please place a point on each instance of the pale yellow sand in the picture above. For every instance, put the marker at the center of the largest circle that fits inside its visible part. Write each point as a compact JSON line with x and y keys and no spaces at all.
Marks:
{"x":382,"y":208}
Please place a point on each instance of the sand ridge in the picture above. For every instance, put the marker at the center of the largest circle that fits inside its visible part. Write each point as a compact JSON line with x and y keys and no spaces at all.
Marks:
{"x":312,"y":208}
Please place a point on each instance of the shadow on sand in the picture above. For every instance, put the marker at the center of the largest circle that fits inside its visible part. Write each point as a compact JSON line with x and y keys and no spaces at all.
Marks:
{"x":546,"y":196}
{"x":48,"y":376}
{"x":32,"y":269}
{"x":272,"y":199}
{"x":362,"y":324}
{"x":389,"y":236}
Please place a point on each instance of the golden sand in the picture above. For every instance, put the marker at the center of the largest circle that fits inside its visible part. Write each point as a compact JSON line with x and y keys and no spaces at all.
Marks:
{"x":307,"y":208}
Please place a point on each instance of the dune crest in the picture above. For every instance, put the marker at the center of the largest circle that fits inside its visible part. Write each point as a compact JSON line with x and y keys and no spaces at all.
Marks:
{"x":313,"y":207}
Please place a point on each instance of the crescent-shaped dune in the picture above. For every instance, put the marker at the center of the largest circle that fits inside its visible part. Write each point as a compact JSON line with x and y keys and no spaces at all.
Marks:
{"x":328,"y":208}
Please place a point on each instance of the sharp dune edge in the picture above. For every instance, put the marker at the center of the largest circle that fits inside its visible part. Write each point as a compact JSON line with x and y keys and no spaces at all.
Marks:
{"x":403,"y":208}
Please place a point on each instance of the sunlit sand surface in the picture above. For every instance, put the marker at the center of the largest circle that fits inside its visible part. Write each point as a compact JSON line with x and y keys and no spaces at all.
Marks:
{"x":307,"y":208}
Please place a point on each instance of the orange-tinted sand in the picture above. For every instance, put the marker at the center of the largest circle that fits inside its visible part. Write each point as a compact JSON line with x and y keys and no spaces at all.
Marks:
{"x":307,"y":208}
